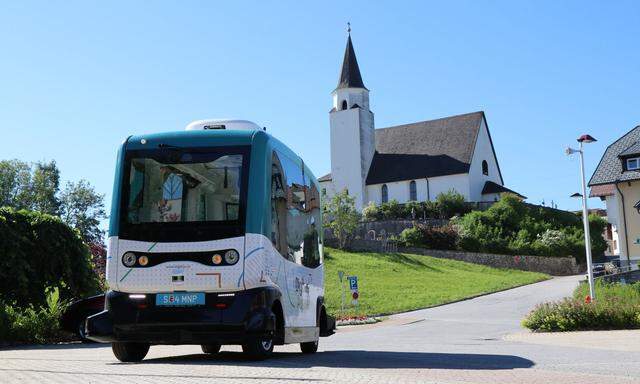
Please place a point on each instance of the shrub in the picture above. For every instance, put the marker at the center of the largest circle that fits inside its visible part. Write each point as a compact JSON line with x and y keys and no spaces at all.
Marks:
{"x":37,"y":251}
{"x":392,"y":210}
{"x":411,"y":237}
{"x":371,"y":212}
{"x":617,"y":307}
{"x":32,"y":324}
{"x":513,"y":227}
{"x":444,"y":238}
{"x":450,"y":204}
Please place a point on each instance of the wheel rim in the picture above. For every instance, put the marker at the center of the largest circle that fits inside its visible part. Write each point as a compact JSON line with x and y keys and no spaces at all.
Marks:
{"x":266,"y":344}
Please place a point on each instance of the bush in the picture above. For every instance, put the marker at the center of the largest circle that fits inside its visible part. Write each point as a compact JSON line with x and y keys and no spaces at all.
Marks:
{"x":37,"y":251}
{"x":450,"y":204}
{"x":617,"y":307}
{"x":444,"y":238}
{"x":371,"y":212}
{"x":513,"y":227}
{"x":32,"y":324}
{"x":411,"y":237}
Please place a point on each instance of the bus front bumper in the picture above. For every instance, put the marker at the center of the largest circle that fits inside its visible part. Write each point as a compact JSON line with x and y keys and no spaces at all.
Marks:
{"x":224,"y":319}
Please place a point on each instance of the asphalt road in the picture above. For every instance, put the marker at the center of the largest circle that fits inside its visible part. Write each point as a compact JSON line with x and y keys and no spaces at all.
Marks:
{"x":457,"y":343}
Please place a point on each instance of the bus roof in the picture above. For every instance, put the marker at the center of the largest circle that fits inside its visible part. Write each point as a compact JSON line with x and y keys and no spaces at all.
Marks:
{"x":193,"y":138}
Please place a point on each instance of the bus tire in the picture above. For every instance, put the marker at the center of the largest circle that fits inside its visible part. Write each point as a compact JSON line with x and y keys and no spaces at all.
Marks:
{"x":259,"y":348}
{"x":211,"y":348}
{"x":130,"y":352}
{"x":310,"y":347}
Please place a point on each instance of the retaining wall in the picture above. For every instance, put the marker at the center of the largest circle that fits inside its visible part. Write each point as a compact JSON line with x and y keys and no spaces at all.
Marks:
{"x":556,"y":266}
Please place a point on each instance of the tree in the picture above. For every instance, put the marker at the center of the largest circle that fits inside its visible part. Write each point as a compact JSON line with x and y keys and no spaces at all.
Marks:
{"x":15,"y":181}
{"x":83,"y":208}
{"x":45,"y":185}
{"x":341,"y":217}
{"x":32,"y":187}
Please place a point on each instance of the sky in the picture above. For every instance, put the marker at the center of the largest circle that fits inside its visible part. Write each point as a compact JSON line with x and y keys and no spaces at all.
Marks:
{"x":77,"y":78}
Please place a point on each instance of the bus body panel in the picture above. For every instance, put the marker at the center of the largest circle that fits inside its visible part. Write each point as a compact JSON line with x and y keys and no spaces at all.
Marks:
{"x":180,"y":275}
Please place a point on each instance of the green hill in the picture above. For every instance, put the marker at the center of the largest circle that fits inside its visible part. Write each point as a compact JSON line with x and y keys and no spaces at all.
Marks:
{"x":398,"y":282}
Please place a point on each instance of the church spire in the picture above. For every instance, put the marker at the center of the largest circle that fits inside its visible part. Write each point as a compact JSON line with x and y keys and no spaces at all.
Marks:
{"x":350,"y":74}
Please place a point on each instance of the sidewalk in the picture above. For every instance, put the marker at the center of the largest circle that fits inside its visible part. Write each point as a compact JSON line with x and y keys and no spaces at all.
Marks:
{"x":626,"y":340}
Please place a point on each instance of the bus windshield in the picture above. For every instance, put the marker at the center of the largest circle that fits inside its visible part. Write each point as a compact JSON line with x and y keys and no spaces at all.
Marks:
{"x":183,"y":186}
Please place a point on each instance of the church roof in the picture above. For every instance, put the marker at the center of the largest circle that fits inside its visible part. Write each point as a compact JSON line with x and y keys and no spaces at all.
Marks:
{"x":350,"y":74}
{"x":426,"y":149}
{"x":491,"y":187}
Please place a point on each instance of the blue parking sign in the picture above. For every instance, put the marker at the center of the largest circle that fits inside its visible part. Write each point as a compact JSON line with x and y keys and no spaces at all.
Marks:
{"x":353,"y":283}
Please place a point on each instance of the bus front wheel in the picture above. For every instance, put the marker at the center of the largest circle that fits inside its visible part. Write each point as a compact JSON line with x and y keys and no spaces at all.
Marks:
{"x":259,"y":348}
{"x":210,"y":348}
{"x":310,"y":347}
{"x":130,"y":352}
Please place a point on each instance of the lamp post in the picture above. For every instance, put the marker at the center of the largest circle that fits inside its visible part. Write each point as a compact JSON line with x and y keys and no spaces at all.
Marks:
{"x":585,"y":139}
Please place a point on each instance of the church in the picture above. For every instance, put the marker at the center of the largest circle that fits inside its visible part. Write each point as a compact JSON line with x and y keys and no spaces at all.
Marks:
{"x":409,"y":162}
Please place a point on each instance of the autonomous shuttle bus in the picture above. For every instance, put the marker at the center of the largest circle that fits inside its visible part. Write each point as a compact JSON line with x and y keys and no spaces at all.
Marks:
{"x":215,"y":238}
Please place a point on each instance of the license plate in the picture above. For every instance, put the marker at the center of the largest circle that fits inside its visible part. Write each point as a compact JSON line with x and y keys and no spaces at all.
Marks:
{"x":179,"y":299}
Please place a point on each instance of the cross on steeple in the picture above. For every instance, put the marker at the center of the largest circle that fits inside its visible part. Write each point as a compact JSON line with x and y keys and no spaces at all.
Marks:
{"x":348,"y":27}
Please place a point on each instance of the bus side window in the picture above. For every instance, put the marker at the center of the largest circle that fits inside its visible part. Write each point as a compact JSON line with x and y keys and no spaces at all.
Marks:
{"x":278,"y":207}
{"x":312,"y":213}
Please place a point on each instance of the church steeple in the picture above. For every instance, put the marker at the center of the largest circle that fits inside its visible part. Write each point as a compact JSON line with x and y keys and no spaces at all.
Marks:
{"x":350,"y":74}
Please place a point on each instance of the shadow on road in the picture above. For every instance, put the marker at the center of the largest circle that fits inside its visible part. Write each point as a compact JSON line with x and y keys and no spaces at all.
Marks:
{"x":358,"y":359}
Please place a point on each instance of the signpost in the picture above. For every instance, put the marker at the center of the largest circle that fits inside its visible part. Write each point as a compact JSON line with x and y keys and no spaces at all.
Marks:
{"x":353,"y":287}
{"x":340,"y":276}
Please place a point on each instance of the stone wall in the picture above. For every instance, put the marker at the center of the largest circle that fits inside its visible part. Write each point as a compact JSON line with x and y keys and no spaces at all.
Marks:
{"x":556,"y":266}
{"x":390,"y":227}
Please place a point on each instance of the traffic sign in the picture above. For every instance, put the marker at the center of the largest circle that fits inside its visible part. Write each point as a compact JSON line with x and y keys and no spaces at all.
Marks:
{"x":353,"y":283}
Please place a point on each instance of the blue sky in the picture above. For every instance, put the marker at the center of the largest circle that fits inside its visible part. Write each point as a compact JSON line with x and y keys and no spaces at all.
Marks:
{"x":76,"y":78}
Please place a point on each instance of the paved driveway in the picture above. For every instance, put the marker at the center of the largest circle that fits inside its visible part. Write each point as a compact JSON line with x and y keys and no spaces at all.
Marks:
{"x":457,"y":343}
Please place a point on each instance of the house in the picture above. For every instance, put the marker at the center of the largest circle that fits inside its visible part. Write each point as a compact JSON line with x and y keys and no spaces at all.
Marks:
{"x":409,"y":162}
{"x":616,"y":181}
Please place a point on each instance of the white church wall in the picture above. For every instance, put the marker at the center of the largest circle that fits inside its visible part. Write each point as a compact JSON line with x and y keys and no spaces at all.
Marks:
{"x":346,"y":162}
{"x":399,"y":190}
{"x":477,"y":179}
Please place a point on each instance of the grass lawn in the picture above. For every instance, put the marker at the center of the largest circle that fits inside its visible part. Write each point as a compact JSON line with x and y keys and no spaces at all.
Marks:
{"x":397,"y":282}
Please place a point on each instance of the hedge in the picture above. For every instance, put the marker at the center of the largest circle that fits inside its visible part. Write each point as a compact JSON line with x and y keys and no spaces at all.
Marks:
{"x":39,"y":251}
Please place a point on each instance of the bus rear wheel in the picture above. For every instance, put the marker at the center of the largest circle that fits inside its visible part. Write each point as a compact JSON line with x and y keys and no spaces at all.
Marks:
{"x":210,"y":348}
{"x":130,"y":352}
{"x":310,"y":347}
{"x":259,"y":348}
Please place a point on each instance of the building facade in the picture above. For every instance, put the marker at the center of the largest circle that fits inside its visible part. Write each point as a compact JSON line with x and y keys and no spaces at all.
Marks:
{"x":616,"y":181}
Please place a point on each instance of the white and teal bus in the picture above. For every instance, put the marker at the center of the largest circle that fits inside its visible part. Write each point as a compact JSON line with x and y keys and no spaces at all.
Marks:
{"x":215,"y":238}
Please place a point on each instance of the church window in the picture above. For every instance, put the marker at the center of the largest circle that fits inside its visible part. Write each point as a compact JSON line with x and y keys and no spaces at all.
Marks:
{"x":485,"y":167}
{"x":344,"y":104}
{"x":413,"y":191}
{"x":324,"y":191}
{"x":385,"y":193}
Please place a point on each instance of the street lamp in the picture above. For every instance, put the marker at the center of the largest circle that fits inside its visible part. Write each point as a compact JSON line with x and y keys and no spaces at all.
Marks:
{"x":585,"y":139}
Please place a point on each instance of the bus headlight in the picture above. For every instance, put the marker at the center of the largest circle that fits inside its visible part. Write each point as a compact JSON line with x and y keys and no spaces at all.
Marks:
{"x":143,"y":260}
{"x":231,"y":257}
{"x":216,"y":259}
{"x":129,"y":259}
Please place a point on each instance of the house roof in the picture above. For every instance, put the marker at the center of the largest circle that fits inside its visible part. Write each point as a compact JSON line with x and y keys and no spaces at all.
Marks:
{"x":426,"y":149}
{"x":634,"y":149}
{"x":609,"y":169}
{"x":350,"y":74}
{"x":602,"y":190}
{"x":491,"y":187}
{"x":326,"y":177}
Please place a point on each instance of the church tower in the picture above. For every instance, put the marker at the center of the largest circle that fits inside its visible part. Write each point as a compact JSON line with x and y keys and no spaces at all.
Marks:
{"x":352,"y":130}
